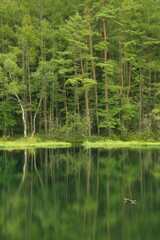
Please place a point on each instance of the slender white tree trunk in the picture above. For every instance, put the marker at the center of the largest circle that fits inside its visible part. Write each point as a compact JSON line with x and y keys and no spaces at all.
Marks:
{"x":34,"y":118}
{"x":23,"y":116}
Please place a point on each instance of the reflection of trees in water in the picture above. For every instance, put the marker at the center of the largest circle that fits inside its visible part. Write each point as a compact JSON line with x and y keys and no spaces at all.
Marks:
{"x":77,"y":194}
{"x":24,"y":170}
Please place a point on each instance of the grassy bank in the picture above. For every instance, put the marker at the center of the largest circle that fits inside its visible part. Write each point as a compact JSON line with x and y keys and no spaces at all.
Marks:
{"x":22,"y":143}
{"x":120,"y":144}
{"x":38,"y":142}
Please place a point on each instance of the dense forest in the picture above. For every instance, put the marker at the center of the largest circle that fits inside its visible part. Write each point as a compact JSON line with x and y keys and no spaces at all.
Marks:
{"x":80,"y":68}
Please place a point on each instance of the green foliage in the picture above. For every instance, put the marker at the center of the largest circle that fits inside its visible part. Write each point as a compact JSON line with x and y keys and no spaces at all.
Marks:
{"x":129,"y":111}
{"x":75,"y":128}
{"x":156,"y":113}
{"x":7,"y":118}
{"x":98,"y":60}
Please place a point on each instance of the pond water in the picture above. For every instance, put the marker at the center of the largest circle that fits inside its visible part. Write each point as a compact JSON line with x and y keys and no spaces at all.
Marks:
{"x":77,"y":194}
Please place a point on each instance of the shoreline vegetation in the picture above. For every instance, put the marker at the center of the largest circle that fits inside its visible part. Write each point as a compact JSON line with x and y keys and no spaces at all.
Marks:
{"x":108,"y":144}
{"x":74,"y":69}
{"x":22,"y":143}
{"x":25,"y":143}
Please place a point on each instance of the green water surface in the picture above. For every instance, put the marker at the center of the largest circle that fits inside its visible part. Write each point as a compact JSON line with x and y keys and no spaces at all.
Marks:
{"x":77,"y":194}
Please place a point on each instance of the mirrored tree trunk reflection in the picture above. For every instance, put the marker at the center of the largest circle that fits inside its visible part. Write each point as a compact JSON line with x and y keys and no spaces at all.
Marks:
{"x":24,"y":169}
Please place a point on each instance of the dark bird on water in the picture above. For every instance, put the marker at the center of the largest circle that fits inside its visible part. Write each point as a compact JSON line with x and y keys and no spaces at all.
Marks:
{"x":127,"y":200}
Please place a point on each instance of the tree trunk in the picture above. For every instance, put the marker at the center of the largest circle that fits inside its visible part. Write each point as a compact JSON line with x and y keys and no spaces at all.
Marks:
{"x":104,"y":25}
{"x":129,"y":80}
{"x":87,"y":110}
{"x":76,"y":96}
{"x":121,"y":72}
{"x":105,"y":60}
{"x":30,"y":99}
{"x":34,"y":118}
{"x":23,"y":116}
{"x":45,"y":114}
{"x":94,"y":77}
